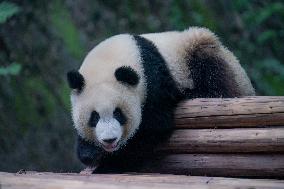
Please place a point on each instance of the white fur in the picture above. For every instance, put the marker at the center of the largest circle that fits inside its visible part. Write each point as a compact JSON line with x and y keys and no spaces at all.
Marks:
{"x":108,"y":129}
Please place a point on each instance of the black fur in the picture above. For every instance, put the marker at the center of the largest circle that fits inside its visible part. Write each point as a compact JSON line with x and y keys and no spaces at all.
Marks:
{"x":119,"y":116}
{"x":94,"y":119}
{"x":88,"y":153}
{"x":162,"y":92}
{"x":127,"y":75}
{"x":75,"y":80}
{"x":211,"y":77}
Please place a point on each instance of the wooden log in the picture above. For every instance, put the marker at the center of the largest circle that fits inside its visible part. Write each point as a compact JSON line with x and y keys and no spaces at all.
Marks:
{"x":134,"y":181}
{"x":229,"y":165}
{"x":231,"y":112}
{"x":249,"y":140}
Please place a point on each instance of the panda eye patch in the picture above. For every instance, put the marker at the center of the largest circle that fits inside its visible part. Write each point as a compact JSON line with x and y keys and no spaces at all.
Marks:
{"x":119,"y":116}
{"x":127,"y":75}
{"x":94,"y":119}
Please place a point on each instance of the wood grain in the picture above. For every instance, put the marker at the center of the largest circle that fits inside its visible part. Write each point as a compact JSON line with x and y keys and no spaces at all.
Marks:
{"x":229,"y":165}
{"x":257,"y":111}
{"x":133,"y":181}
{"x":249,"y":140}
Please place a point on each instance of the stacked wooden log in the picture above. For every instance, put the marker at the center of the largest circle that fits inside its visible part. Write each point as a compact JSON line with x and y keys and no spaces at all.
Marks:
{"x":237,"y":137}
{"x":36,"y":180}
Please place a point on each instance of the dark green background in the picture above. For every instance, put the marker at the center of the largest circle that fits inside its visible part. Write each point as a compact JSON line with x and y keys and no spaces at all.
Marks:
{"x":41,"y":40}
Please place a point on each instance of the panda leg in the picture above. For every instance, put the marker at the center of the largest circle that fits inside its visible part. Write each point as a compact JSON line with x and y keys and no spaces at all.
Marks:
{"x":211,"y":76}
{"x":89,"y":154}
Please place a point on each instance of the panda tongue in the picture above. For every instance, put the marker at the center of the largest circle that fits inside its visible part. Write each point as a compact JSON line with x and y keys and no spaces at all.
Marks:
{"x":110,"y":146}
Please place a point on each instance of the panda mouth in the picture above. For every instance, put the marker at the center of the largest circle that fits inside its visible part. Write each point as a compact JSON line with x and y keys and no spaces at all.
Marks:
{"x":110,"y":147}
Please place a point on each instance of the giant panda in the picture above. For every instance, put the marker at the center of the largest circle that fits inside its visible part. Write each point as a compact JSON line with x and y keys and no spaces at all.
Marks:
{"x":124,"y":94}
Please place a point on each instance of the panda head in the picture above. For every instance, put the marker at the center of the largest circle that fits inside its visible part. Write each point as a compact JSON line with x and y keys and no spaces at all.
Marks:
{"x":108,"y":93}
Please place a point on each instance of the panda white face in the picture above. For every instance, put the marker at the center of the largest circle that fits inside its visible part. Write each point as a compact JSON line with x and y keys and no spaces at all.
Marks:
{"x":108,"y":93}
{"x":107,"y":114}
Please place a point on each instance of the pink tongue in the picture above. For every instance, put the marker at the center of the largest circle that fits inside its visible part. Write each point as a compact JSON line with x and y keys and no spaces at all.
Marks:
{"x":110,"y":146}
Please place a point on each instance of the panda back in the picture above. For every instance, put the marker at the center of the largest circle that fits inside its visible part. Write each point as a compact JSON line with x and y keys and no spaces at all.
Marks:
{"x":184,"y":51}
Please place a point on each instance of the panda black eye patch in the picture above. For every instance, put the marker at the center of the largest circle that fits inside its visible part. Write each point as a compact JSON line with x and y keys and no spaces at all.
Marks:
{"x":94,"y":119}
{"x":119,"y":116}
{"x":127,"y":75}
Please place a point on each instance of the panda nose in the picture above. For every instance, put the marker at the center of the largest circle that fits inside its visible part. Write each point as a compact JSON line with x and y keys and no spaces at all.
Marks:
{"x":109,"y":140}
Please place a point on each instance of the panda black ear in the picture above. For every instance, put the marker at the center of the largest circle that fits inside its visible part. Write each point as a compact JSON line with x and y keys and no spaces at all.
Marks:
{"x":75,"y":80}
{"x":127,"y":75}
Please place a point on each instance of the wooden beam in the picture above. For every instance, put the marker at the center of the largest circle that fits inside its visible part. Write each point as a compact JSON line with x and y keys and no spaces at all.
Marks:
{"x":229,"y":165}
{"x":249,"y":140}
{"x":257,"y":111}
{"x":134,"y":181}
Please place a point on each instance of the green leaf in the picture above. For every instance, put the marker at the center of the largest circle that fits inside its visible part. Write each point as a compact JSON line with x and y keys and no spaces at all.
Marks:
{"x":12,"y":69}
{"x":7,"y":10}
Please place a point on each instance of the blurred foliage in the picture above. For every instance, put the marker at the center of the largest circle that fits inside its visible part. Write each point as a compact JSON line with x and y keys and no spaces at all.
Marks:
{"x":12,"y":69}
{"x":66,"y":30}
{"x":41,"y":40}
{"x":7,"y":10}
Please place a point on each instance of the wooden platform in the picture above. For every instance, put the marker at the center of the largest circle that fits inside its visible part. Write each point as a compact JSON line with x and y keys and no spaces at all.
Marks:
{"x":233,"y":137}
{"x":129,"y":181}
{"x":237,"y":137}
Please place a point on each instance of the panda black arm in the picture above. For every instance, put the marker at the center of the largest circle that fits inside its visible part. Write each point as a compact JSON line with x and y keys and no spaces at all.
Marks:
{"x":162,"y":91}
{"x":89,"y":154}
